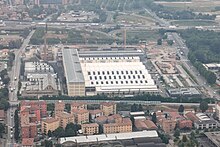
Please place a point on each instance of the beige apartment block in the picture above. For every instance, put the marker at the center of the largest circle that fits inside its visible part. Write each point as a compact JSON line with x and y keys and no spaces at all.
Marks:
{"x":108,"y":108}
{"x":124,"y":126}
{"x":64,"y":119}
{"x":49,"y":124}
{"x":90,"y":129}
{"x":59,"y":107}
{"x":78,"y":105}
{"x":81,"y":116}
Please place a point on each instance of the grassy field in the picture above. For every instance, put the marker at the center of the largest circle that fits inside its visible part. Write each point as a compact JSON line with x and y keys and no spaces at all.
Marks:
{"x":195,"y":5}
{"x":194,"y":23}
{"x":147,"y":35}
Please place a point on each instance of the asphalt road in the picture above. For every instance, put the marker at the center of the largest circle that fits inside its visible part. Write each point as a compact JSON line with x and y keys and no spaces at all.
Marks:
{"x":13,"y":100}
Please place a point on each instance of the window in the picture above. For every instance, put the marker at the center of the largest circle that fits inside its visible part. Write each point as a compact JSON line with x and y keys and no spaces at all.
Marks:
{"x":111,"y":82}
{"x":136,"y":72}
{"x":122,"y":72}
{"x":131,"y":72}
{"x":134,"y":76}
{"x":95,"y":78}
{"x":114,"y":77}
{"x":105,"y":77}
{"x":112,"y":72}
{"x":108,"y":72}
{"x":140,"y":72}
{"x":97,"y":82}
{"x":98,"y":73}
{"x":92,"y":83}
{"x":93,"y":73}
{"x":121,"y":82}
{"x":143,"y":76}
{"x":136,"y":82}
{"x":129,"y":77}
{"x":126,"y":72}
{"x":116,"y":82}
{"x":139,"y":77}
{"x":100,"y":77}
{"x":89,"y":73}
{"x":145,"y":81}
{"x":131,"y":82}
{"x":126,"y":82}
{"x":101,"y":82}
{"x":103,"y":72}
{"x":110,"y":77}
{"x":90,"y":77}
{"x":106,"y":82}
{"x":141,"y":81}
{"x":119,"y":77}
{"x":124,"y":77}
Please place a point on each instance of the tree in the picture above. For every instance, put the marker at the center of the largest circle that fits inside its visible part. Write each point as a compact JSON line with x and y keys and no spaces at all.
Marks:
{"x":2,"y":129}
{"x":184,"y":139}
{"x":134,"y":108}
{"x":176,"y":133}
{"x":181,"y":109}
{"x":140,"y":108}
{"x":159,"y":42}
{"x":16,"y":121}
{"x":170,"y":42}
{"x":49,"y":134}
{"x":154,"y":118}
{"x":59,"y":132}
{"x":48,"y":143}
{"x":203,"y":106}
{"x":68,"y":107}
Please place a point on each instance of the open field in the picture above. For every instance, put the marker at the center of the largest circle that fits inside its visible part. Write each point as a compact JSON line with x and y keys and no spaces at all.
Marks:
{"x":147,"y":35}
{"x":194,"y":23}
{"x":195,"y":5}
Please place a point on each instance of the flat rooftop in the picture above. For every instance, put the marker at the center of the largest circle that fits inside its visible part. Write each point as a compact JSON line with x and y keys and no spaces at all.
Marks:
{"x":108,"y":137}
{"x":214,"y":137}
{"x":72,"y":66}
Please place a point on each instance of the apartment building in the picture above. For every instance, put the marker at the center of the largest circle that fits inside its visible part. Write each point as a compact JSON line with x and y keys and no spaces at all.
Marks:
{"x":78,"y":105}
{"x":39,"y":105}
{"x":49,"y":124}
{"x":95,"y":113}
{"x":90,"y":129}
{"x":168,"y":125}
{"x":29,"y":131}
{"x":64,"y":119}
{"x":108,"y":108}
{"x":59,"y":107}
{"x":81,"y":116}
{"x":124,"y":126}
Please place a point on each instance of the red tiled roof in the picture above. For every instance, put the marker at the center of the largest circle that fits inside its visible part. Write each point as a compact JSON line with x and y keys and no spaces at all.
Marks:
{"x":77,"y":104}
{"x":191,"y":116}
{"x":101,"y":118}
{"x":81,"y":111}
{"x":27,"y":141}
{"x":96,"y":111}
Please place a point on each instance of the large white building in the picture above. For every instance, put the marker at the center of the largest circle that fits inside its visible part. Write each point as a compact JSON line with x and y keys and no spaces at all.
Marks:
{"x":113,"y":72}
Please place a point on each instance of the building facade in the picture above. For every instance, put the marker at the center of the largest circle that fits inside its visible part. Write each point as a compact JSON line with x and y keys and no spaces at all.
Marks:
{"x":108,"y":108}
{"x":49,"y":124}
{"x":90,"y":129}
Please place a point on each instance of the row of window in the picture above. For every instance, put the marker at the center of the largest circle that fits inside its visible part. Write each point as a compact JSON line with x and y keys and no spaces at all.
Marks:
{"x":116,"y":77}
{"x":113,"y":72}
{"x":106,"y":58}
{"x":119,"y":82}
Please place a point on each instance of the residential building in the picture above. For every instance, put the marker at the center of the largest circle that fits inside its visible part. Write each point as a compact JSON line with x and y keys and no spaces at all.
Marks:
{"x":124,"y":126}
{"x":59,"y":108}
{"x":27,"y":142}
{"x":90,"y":129}
{"x":81,"y":116}
{"x":29,"y":131}
{"x":49,"y":124}
{"x":108,"y":108}
{"x":185,"y":124}
{"x":205,"y":122}
{"x":95,"y":113}
{"x":41,"y":105}
{"x":168,"y":125}
{"x":101,"y":120}
{"x":64,"y":119}
{"x":78,"y":105}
